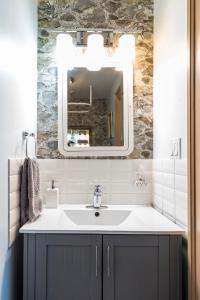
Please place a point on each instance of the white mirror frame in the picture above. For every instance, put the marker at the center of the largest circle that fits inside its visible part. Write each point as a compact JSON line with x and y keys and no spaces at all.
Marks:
{"x":97,"y":151}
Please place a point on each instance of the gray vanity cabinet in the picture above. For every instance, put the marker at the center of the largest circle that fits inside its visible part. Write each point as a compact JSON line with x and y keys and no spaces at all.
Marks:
{"x":63,"y":267}
{"x":141,"y":267}
{"x":102,"y":267}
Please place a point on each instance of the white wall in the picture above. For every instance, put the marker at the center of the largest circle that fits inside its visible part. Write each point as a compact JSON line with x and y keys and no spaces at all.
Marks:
{"x":170,"y":108}
{"x":170,"y":75}
{"x":18,"y":48}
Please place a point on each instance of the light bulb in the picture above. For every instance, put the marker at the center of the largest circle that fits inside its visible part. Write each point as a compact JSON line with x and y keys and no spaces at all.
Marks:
{"x":126,"y":50}
{"x":95,"y":43}
{"x":65,"y":51}
{"x":95,"y":53}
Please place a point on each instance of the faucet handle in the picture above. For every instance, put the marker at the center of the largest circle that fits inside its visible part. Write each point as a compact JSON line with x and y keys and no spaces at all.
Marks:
{"x":98,"y":188}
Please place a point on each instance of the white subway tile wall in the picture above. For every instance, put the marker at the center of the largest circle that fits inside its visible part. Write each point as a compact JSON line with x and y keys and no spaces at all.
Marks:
{"x":14,"y":178}
{"x":166,"y":186}
{"x":76,"y":179}
{"x":170,"y":189}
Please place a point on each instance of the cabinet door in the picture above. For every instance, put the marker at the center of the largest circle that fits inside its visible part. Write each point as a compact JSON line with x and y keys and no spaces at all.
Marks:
{"x":136,"y":267}
{"x":68,"y":267}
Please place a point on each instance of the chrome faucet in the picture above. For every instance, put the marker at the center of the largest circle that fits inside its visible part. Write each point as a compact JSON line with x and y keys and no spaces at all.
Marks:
{"x":97,"y":196}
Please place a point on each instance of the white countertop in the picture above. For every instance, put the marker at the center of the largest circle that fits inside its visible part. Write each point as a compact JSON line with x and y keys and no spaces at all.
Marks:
{"x":141,"y":220}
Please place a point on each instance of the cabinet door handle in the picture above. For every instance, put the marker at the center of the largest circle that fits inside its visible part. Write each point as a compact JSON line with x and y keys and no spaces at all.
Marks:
{"x":96,"y":249}
{"x":108,"y":249}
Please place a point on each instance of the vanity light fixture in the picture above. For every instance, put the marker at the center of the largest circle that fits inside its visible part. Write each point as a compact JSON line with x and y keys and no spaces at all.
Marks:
{"x":65,"y":51}
{"x":95,"y":53}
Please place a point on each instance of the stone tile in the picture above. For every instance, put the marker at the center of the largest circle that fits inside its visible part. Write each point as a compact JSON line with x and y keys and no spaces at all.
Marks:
{"x":131,"y":14}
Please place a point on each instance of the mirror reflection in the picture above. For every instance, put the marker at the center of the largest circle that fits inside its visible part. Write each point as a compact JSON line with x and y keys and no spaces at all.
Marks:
{"x":95,"y":107}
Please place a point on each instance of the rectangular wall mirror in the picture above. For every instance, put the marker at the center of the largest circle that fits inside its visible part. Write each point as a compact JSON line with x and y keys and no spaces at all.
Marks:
{"x":95,"y":101}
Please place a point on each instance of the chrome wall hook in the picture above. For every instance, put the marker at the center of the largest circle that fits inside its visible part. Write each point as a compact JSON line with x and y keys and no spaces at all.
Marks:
{"x":140,"y":181}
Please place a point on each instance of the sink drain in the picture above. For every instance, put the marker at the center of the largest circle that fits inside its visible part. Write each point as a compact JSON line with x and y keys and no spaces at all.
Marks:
{"x":97,"y":214}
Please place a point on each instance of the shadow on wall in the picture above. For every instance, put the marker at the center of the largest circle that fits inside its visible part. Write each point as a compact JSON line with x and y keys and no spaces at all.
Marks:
{"x":12,"y":275}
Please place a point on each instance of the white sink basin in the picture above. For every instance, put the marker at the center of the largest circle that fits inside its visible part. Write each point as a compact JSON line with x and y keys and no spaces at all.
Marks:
{"x":97,"y":217}
{"x":113,"y":219}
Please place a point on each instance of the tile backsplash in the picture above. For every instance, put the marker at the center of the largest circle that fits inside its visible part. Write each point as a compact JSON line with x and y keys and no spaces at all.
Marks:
{"x":165,"y":188}
{"x":14,"y":179}
{"x":76,"y":179}
{"x":170,"y":189}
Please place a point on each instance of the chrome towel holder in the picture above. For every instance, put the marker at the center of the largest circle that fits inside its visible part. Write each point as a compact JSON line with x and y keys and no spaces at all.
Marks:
{"x":26,"y":136}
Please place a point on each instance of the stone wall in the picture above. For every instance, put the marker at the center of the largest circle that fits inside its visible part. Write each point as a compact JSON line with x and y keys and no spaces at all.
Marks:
{"x":136,"y":15}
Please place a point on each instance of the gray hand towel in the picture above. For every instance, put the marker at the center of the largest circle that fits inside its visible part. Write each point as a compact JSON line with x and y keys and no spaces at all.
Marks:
{"x":31,"y":203}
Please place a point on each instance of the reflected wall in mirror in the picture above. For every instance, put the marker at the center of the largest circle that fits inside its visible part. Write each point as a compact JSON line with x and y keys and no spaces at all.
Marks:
{"x":95,"y":107}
